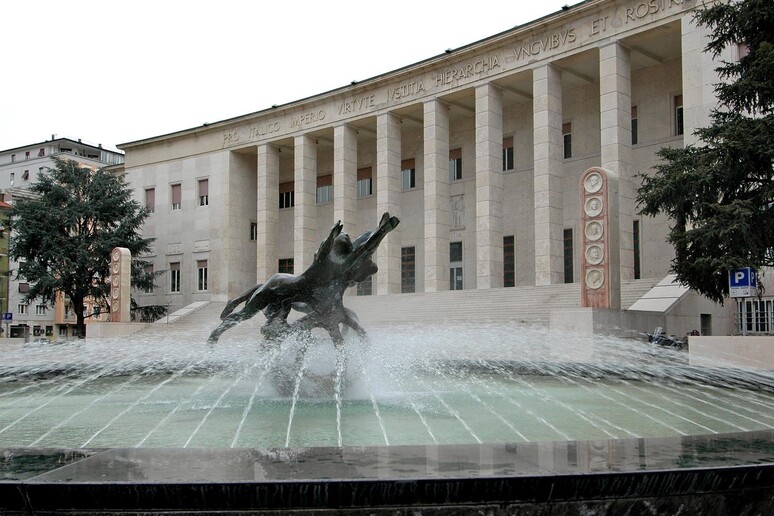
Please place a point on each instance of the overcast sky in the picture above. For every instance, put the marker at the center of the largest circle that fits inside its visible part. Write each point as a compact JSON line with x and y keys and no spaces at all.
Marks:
{"x":113,"y":72}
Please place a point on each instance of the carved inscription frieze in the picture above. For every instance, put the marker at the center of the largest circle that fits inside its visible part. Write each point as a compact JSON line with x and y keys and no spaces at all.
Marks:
{"x":576,"y":33}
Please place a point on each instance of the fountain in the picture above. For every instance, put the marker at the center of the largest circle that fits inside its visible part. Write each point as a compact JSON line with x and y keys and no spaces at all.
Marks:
{"x":495,"y":417}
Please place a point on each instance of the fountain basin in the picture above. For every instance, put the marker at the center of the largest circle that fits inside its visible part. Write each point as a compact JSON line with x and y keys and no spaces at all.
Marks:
{"x":491,"y":418}
{"x":719,"y":474}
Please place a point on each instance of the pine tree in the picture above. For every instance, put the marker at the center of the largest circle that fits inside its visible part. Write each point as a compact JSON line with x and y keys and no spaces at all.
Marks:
{"x":719,"y":193}
{"x":64,"y":231}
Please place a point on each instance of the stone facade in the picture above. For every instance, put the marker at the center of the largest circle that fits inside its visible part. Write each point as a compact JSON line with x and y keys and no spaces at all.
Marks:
{"x":474,"y":148}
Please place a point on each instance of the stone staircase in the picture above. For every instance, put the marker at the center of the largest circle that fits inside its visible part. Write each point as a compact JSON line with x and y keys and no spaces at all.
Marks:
{"x":530,"y":305}
{"x":527,"y":305}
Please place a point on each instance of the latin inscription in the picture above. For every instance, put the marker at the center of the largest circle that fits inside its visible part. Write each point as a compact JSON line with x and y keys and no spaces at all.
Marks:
{"x":307,"y":118}
{"x":550,"y":42}
{"x":235,"y":136}
{"x":356,"y":105}
{"x":556,"y":40}
{"x":467,"y":71}
{"x":405,"y":90}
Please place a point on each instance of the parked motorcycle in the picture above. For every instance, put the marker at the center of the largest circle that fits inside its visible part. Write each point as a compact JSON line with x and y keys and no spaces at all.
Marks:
{"x":662,"y":339}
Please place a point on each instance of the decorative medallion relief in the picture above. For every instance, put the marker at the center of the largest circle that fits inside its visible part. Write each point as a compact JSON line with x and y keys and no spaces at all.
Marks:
{"x":120,"y":280}
{"x":595,"y":256}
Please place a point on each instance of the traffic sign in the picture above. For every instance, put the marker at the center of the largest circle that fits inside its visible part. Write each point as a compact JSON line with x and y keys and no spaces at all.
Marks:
{"x":742,"y":282}
{"x":8,"y":316}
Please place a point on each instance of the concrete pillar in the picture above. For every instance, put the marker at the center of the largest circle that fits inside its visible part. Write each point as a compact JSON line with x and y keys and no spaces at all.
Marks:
{"x":489,"y":187}
{"x":436,"y":186}
{"x":388,"y":191}
{"x":548,"y":167}
{"x":615,"y":115}
{"x":267,"y":215}
{"x":345,"y":176}
{"x":305,"y":208}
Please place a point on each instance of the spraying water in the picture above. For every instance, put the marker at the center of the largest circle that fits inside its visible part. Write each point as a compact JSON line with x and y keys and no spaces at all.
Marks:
{"x":472,"y":383}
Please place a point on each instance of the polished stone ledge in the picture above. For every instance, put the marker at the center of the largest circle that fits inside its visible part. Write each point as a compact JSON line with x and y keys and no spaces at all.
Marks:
{"x":734,"y":472}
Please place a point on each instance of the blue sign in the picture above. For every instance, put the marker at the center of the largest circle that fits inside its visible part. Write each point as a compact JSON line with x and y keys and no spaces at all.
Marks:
{"x":742,"y":282}
{"x":8,"y":316}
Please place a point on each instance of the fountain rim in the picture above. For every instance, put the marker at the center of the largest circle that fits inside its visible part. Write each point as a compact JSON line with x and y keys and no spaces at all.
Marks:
{"x":153,"y":479}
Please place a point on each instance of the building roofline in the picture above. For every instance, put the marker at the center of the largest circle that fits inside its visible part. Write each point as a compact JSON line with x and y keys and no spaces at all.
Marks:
{"x":206,"y":126}
{"x":48,"y":142}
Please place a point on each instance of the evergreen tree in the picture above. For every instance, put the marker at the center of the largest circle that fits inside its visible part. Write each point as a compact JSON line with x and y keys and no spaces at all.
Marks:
{"x":64,"y":231}
{"x":720,"y":194}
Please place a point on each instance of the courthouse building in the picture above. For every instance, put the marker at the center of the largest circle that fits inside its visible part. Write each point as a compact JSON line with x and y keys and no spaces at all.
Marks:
{"x":480,"y":151}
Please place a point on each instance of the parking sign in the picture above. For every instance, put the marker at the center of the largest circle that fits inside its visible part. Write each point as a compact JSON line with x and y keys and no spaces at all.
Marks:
{"x":742,"y":282}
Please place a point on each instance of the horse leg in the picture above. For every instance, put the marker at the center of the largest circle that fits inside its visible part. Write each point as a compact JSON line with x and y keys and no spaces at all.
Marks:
{"x":256,"y":303}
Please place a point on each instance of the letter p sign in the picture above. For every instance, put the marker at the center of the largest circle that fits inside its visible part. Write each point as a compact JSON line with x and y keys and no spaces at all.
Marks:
{"x":742,"y":282}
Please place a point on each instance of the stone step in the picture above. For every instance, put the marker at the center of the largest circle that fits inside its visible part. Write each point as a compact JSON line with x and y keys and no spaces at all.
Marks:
{"x":530,"y":305}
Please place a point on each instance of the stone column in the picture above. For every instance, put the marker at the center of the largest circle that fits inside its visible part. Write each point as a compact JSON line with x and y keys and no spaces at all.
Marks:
{"x":305,"y":208}
{"x":548,"y":167}
{"x":268,"y":211}
{"x":489,"y":187}
{"x":615,"y":115}
{"x":345,"y":176}
{"x":388,"y":190}
{"x":120,"y":285}
{"x":436,"y":186}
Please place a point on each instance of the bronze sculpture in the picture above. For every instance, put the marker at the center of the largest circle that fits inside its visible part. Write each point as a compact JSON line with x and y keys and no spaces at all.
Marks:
{"x":317,"y":292}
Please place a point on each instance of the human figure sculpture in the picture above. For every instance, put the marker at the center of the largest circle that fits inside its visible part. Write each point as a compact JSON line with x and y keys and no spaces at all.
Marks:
{"x":318,"y":291}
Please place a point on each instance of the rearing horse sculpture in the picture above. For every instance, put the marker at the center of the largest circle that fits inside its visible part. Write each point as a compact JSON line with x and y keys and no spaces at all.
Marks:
{"x":318,"y":291}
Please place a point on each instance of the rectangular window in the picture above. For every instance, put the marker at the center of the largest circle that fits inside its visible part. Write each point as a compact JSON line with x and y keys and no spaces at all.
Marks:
{"x":678,"y":115}
{"x":455,"y":269}
{"x":455,"y":252}
{"x":24,"y":287}
{"x":508,"y":154}
{"x":287,"y":195}
{"x":408,"y":174}
{"x":27,"y":155}
{"x":286,"y":265}
{"x":324,"y":189}
{"x":567,"y":139}
{"x":568,"y":256}
{"x":253,"y":231}
{"x":364,"y":183}
{"x":23,"y":309}
{"x":13,"y":158}
{"x":509,"y":261}
{"x":13,"y":176}
{"x":26,"y":175}
{"x":201,"y":275}
{"x":41,"y":153}
{"x":455,"y":165}
{"x":149,"y":270}
{"x":40,"y":309}
{"x":407,"y":270}
{"x":636,"y":245}
{"x":635,"y":136}
{"x":204,"y":192}
{"x":176,"y":196}
{"x":150,"y":199}
{"x":365,"y":287}
{"x":174,"y":277}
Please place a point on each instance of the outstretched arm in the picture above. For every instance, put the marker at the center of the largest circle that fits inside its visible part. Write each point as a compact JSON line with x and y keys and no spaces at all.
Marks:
{"x":366,"y":244}
{"x":327,"y":244}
